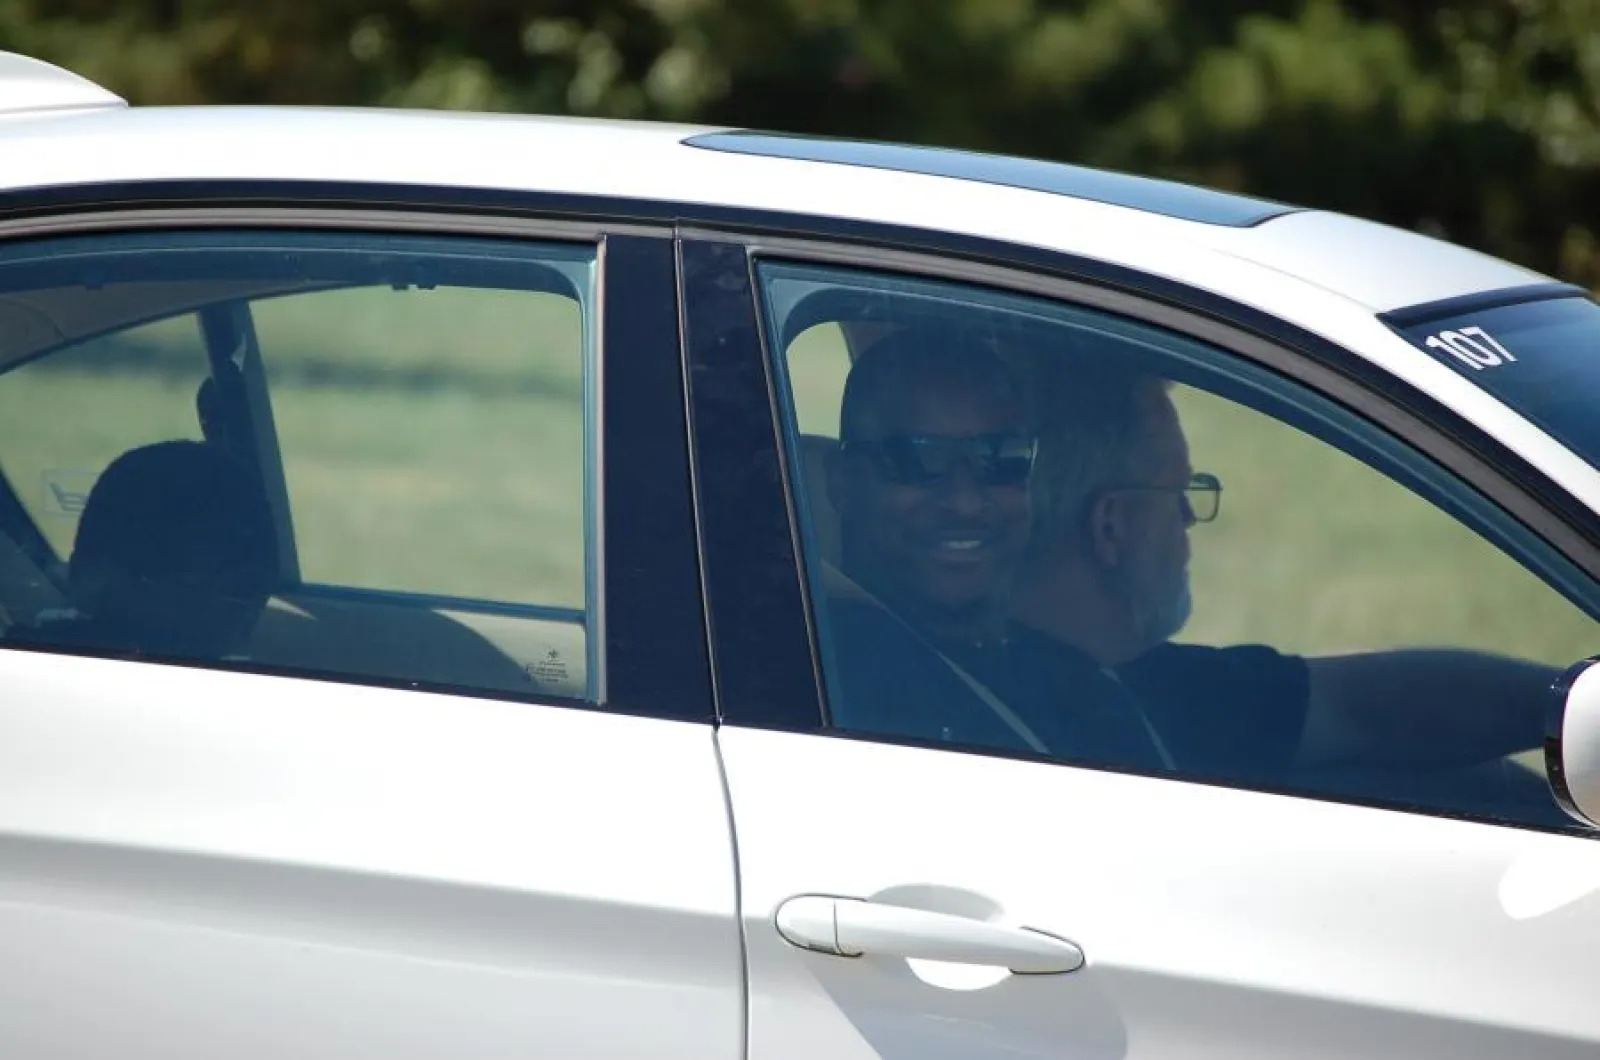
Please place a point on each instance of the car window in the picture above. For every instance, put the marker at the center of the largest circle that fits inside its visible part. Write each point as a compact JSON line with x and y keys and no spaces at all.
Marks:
{"x":1040,"y":529}
{"x":359,"y":455}
{"x":447,"y":401}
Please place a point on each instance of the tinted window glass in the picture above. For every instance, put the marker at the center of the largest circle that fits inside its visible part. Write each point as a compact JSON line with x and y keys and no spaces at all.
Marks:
{"x":357,"y":455}
{"x":1045,"y":530}
{"x":1542,"y":358}
{"x":416,"y":418}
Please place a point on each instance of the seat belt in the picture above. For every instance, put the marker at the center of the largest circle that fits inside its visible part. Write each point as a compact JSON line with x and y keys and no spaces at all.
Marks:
{"x":838,"y":583}
{"x":835,"y":579}
{"x":1144,"y":719}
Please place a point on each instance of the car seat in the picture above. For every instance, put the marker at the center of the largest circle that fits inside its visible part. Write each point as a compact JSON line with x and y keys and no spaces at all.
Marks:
{"x":173,"y":556}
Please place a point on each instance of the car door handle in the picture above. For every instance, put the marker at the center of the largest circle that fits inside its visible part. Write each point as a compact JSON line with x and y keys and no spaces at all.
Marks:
{"x":851,"y":927}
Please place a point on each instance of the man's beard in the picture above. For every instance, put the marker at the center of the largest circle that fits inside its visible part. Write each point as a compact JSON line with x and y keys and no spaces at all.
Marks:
{"x":1160,"y":606}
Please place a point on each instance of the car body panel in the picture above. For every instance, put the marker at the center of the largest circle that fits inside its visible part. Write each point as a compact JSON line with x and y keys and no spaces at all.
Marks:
{"x":1166,"y":198}
{"x":304,"y":868}
{"x":1215,"y":922}
{"x":1375,"y":265}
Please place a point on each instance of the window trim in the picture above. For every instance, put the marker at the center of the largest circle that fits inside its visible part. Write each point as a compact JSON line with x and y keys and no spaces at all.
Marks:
{"x":750,"y":581}
{"x":313,"y":215}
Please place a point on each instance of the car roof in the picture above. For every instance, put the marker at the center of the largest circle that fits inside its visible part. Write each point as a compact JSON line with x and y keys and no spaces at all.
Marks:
{"x":56,"y":129}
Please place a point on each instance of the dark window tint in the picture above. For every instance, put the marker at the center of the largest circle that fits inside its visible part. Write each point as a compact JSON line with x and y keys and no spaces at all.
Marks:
{"x":1040,"y":529}
{"x":1542,"y":358}
{"x":358,"y":455}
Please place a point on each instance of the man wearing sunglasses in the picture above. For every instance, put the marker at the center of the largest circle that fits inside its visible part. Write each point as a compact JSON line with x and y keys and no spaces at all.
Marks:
{"x":1107,"y":572}
{"x":930,"y":481}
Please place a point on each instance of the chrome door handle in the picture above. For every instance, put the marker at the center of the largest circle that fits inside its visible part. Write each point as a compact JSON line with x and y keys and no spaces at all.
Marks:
{"x":851,"y":927}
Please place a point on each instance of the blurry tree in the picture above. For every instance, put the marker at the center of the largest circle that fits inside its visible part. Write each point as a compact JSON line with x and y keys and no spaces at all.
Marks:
{"x":1476,"y":119}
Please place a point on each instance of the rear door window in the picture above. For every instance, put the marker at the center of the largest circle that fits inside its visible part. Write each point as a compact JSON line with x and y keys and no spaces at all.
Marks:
{"x":347,"y":454}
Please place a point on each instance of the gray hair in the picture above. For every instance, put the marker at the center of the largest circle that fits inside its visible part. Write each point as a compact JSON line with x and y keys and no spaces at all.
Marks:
{"x":1093,"y":427}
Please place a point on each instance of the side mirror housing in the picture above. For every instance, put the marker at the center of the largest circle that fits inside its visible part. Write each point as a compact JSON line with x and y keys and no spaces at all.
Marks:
{"x":1572,"y":742}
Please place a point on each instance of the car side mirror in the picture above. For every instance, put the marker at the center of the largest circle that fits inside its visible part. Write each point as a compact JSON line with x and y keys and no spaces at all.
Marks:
{"x":1572,"y":741}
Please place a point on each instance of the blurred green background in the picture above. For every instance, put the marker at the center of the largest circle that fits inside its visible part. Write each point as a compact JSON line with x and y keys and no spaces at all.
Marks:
{"x":1473,"y":119}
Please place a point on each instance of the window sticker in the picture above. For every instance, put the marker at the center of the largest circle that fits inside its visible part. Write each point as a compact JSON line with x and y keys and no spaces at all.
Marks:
{"x":1472,"y":346}
{"x":64,"y":492}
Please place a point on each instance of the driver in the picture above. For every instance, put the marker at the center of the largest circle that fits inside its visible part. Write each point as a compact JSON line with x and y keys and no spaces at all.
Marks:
{"x":1107,"y":573}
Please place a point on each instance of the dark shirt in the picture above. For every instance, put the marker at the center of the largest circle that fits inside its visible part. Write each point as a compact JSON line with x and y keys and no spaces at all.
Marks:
{"x":1227,"y":713}
{"x":891,"y":680}
{"x":1231,"y":713}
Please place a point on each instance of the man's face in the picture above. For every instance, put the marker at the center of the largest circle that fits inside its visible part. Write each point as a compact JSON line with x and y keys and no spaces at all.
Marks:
{"x":947,"y":545}
{"x":1155,"y":576}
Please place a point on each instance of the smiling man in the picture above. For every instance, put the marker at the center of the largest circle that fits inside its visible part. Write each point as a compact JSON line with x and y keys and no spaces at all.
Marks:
{"x":931,"y":484}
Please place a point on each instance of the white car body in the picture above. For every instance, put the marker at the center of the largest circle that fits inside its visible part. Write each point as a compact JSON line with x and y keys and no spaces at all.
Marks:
{"x":199,"y":862}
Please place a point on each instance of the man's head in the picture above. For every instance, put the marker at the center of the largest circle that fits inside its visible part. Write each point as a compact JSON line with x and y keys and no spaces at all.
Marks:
{"x":1108,"y":565}
{"x":931,"y":479}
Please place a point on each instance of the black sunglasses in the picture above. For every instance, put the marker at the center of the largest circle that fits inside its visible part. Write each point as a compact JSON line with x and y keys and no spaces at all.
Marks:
{"x":922,"y":460}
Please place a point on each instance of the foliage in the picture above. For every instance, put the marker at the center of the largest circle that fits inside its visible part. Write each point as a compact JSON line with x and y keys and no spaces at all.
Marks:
{"x":1475,"y":119}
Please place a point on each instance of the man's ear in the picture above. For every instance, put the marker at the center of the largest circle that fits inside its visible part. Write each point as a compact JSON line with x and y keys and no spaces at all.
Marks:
{"x":1108,"y":529}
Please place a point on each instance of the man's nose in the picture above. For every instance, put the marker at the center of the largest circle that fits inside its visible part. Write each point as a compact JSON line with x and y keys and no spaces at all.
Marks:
{"x":961,"y":492}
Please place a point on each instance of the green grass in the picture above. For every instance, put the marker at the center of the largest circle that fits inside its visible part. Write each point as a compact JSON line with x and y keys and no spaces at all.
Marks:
{"x":1314,"y":552}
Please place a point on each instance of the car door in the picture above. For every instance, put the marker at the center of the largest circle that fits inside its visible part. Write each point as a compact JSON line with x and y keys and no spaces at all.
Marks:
{"x":452,"y":791}
{"x":891,"y":880}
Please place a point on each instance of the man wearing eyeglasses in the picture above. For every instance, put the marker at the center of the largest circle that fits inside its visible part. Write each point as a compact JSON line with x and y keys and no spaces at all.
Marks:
{"x":930,"y":481}
{"x":1107,"y":572}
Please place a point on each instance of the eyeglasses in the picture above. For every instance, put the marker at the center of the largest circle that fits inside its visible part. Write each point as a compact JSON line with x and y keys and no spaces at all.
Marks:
{"x":922,"y":460}
{"x":1202,"y":495}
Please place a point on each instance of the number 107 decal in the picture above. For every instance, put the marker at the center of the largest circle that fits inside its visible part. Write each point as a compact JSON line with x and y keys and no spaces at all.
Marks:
{"x":1471,"y":346}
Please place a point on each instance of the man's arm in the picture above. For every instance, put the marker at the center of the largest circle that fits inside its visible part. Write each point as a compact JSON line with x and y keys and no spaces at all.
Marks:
{"x":1423,"y":707}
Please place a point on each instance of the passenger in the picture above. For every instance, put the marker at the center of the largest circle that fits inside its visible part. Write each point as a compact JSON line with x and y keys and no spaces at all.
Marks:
{"x":931,"y":484}
{"x":1107,"y":573}
{"x":173,"y":557}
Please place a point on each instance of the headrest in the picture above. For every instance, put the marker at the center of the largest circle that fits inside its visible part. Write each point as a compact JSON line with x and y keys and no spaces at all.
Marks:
{"x":174,"y":553}
{"x":175,"y":510}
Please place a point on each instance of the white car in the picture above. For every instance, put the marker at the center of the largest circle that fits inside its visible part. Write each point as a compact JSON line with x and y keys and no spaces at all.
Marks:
{"x":436,"y":604}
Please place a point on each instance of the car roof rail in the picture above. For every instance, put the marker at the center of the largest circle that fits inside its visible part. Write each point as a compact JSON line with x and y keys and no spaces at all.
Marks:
{"x":29,"y":86}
